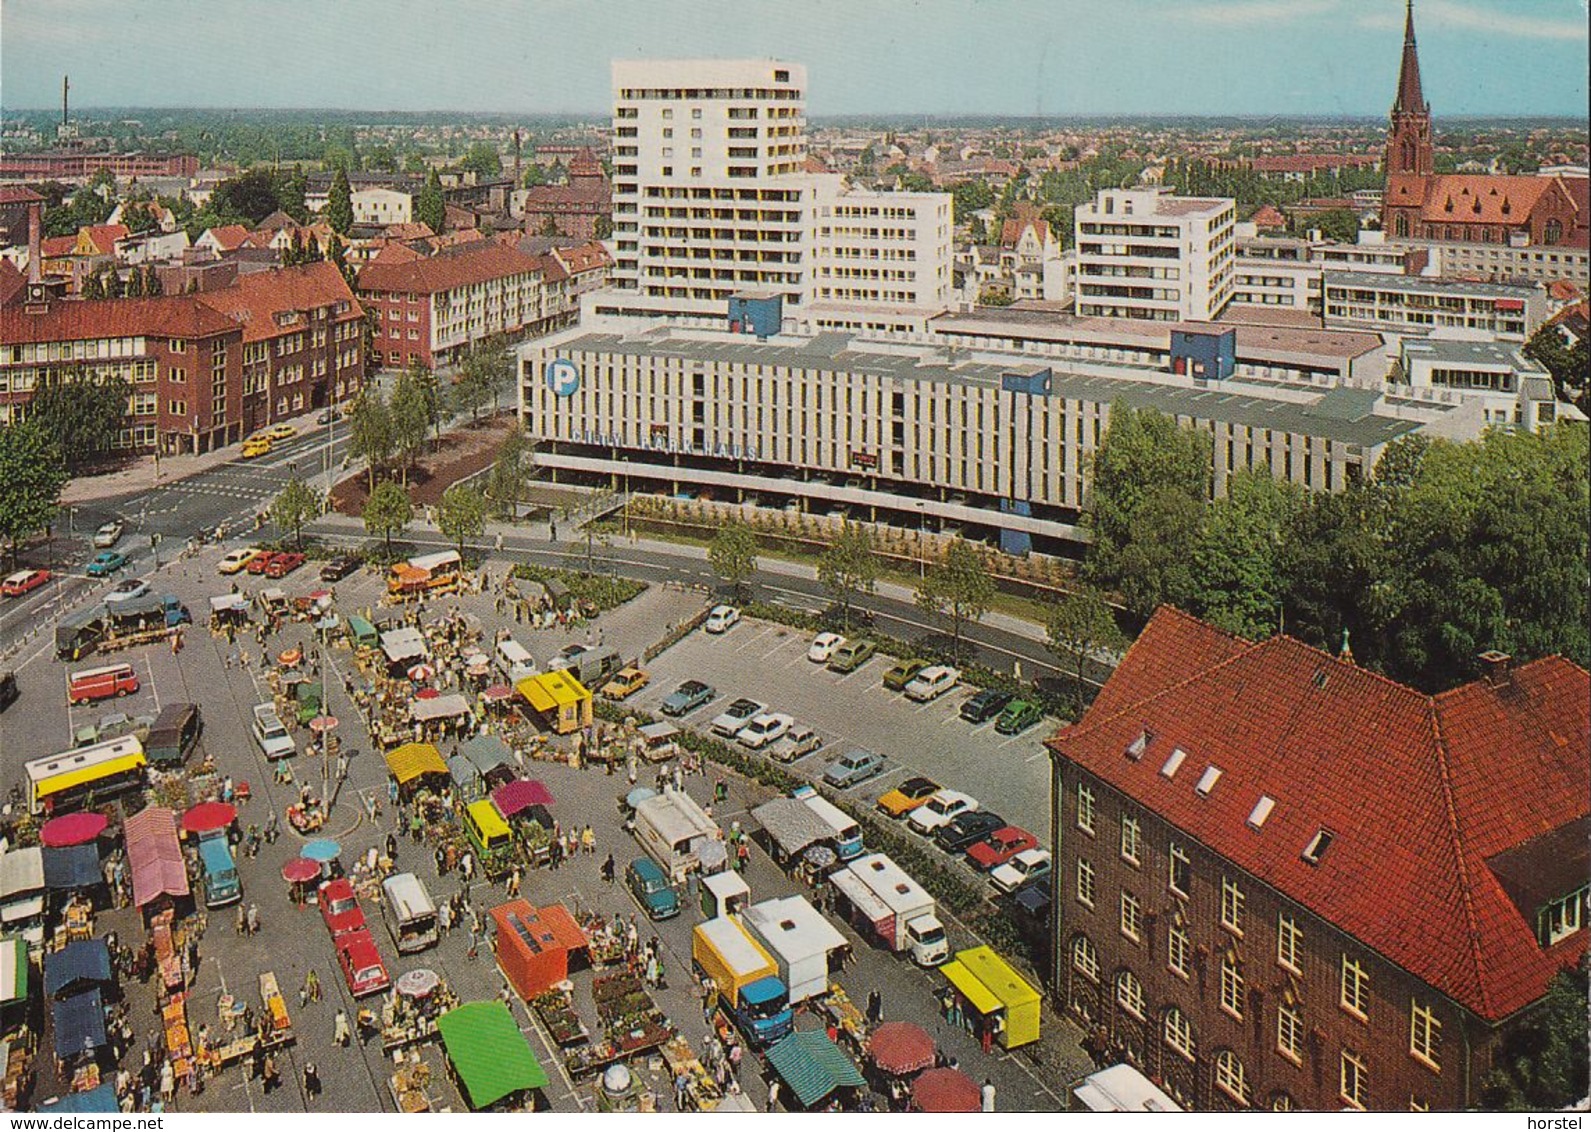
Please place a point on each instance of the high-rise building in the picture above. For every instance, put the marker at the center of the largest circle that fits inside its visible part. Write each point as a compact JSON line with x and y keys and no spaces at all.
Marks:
{"x":1143,"y":253}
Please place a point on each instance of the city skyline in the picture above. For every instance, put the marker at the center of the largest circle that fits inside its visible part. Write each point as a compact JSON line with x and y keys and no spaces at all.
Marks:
{"x":1016,"y":58}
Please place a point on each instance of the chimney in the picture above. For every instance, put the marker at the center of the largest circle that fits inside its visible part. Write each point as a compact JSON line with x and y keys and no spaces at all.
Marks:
{"x":35,"y":240}
{"x":1498,"y":667}
{"x":66,"y":86}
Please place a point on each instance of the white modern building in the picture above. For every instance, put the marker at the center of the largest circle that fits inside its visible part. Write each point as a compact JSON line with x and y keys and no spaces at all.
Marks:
{"x":1513,"y":389}
{"x":1143,"y":253}
{"x":382,"y":206}
{"x":1418,"y":305}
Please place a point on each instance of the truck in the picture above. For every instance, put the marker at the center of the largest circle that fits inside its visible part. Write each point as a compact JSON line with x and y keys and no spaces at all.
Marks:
{"x":426,"y":574}
{"x":745,"y":979}
{"x":221,"y":884}
{"x":142,"y":621}
{"x":672,"y":828}
{"x":894,"y":907}
{"x":806,"y":946}
{"x":79,"y":635}
{"x":847,"y":833}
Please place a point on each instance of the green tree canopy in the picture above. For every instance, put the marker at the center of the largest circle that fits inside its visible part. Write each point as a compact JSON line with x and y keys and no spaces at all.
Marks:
{"x":1156,"y":565}
{"x":83,"y":415}
{"x":733,"y":555}
{"x":482,"y":159}
{"x":486,"y":369}
{"x":370,"y":431}
{"x":461,"y":515}
{"x":1080,"y":625}
{"x":849,"y":568}
{"x":290,"y":193}
{"x":1542,"y":1063}
{"x":1237,"y":560}
{"x":32,"y":474}
{"x":387,"y":512}
{"x":430,"y":208}
{"x":340,"y":203}
{"x":411,"y":417}
{"x":246,"y":199}
{"x":511,"y":471}
{"x":294,"y":506}
{"x":959,"y":586}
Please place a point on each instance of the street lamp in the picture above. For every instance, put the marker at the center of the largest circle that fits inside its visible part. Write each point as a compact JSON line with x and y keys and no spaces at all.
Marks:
{"x":922,"y":539}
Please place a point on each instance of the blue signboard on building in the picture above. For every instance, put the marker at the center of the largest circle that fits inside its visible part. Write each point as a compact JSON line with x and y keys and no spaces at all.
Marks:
{"x":563,"y":377}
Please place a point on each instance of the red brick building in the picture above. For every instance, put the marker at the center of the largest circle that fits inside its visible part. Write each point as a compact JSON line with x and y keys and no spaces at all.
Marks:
{"x":71,"y":164}
{"x":1283,"y":881}
{"x":575,"y":207}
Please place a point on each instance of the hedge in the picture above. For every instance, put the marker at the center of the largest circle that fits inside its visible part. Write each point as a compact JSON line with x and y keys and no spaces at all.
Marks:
{"x":602,"y":590}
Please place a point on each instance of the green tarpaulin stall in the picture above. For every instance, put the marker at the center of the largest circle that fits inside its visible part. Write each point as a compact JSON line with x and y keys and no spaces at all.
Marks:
{"x":489,"y":1054}
{"x":813,"y":1066}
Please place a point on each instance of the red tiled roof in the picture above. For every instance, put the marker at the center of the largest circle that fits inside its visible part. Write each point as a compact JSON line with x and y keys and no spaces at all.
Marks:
{"x":1011,"y":230}
{"x":1462,"y":198}
{"x":1269,"y":216}
{"x":18,"y":194}
{"x":12,"y":281}
{"x":69,"y":320}
{"x":103,"y":237}
{"x":461,"y":266}
{"x":1563,"y":291}
{"x":1419,"y":791}
{"x":57,"y":247}
{"x":586,"y":257}
{"x":258,"y":296}
{"x":228,"y":236}
{"x":1310,"y":162}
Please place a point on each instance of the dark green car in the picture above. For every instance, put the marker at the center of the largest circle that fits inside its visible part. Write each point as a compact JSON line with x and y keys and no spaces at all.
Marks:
{"x":1018,"y":716}
{"x":904,"y":672}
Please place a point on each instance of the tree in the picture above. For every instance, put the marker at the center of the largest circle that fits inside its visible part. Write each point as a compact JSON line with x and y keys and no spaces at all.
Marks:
{"x":486,"y":369}
{"x":993,"y":296}
{"x":534,"y":175}
{"x":1542,"y":1063}
{"x":113,"y":284}
{"x":135,"y":284}
{"x":1156,"y":566}
{"x":733,"y":555}
{"x":340,"y":203}
{"x":247,"y":199}
{"x":549,"y":226}
{"x":482,"y":159}
{"x":959,"y":586}
{"x":370,"y":431}
{"x":411,"y":418}
{"x":293,"y":507}
{"x":32,"y":474}
{"x":510,"y":473}
{"x":849,"y":568}
{"x":1080,"y":625}
{"x":461,"y":515}
{"x":603,"y":228}
{"x":387,"y":512}
{"x":1237,"y":561}
{"x":1339,"y":224}
{"x":339,"y":259}
{"x":970,"y":197}
{"x":84,"y":416}
{"x":1570,"y":366}
{"x":94,"y":286}
{"x":430,"y":208}
{"x":291,"y":193}
{"x":152,"y":285}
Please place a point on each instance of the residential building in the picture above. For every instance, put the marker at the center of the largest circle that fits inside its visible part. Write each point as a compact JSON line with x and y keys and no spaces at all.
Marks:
{"x":1504,"y":263}
{"x":1143,"y":253}
{"x":1306,"y":166}
{"x":382,"y":206}
{"x":1514,"y":389}
{"x":1285,"y":882}
{"x":579,"y":208}
{"x":75,"y":164}
{"x":1406,"y":304}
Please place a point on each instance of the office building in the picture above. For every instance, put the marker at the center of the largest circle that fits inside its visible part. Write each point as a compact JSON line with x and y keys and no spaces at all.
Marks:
{"x":1408,"y":304}
{"x":1143,"y":253}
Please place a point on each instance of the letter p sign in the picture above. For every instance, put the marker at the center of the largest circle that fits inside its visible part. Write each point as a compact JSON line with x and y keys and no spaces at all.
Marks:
{"x":563,"y":377}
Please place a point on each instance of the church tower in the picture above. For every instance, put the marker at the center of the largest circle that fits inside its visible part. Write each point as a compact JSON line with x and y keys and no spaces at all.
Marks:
{"x":1409,"y":147}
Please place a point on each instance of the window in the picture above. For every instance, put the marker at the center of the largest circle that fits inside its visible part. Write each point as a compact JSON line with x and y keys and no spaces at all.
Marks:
{"x":1288,"y":939}
{"x":1179,"y":1032}
{"x":1085,"y":959}
{"x":1131,"y":917}
{"x":1231,"y":905}
{"x":1230,"y":1077}
{"x":1085,"y":881}
{"x":1130,"y":994}
{"x":1180,"y":870}
{"x":1177,"y":948}
{"x":1281,"y":1102}
{"x":178,"y":346}
{"x":1561,"y":919}
{"x":1129,"y":839}
{"x":1290,"y":1032}
{"x":1416,"y":1104}
{"x":1085,"y":808}
{"x":1351,"y":1087}
{"x":1231,"y":987}
{"x":1424,"y":1034}
{"x":1355,"y":987}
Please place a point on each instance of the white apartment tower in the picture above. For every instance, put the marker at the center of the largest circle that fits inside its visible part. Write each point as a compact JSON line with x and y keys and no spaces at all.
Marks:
{"x":1142,"y":253}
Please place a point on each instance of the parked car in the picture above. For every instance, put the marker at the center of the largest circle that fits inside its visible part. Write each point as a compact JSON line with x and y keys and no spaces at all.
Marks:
{"x":932,"y":682}
{"x":939,"y":809}
{"x":906,"y":797}
{"x":336,"y":569}
{"x":126,"y":590}
{"x":1026,"y":867}
{"x":282,"y":565}
{"x":798,"y":742}
{"x":721,"y":618}
{"x":739,"y":713}
{"x":1018,"y":716}
{"x":261,"y":561}
{"x":904,"y":672}
{"x":851,"y":655}
{"x":688,"y":697}
{"x":649,"y":885}
{"x":282,"y":432}
{"x":106,"y":563}
{"x":361,"y":964}
{"x":626,"y":682}
{"x":23,"y":581}
{"x":823,"y":646}
{"x":339,"y":907}
{"x":853,"y":767}
{"x":257,"y":445}
{"x":108,"y":535}
{"x":764,"y":729}
{"x":986,"y":705}
{"x":271,"y":736}
{"x":235,"y":560}
{"x":1033,"y":900}
{"x":329,"y":416}
{"x":999,"y":847}
{"x":966,"y":829}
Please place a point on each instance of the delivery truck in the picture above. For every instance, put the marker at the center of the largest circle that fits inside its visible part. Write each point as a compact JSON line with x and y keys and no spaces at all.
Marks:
{"x":672,"y":827}
{"x":746,"y":979}
{"x":806,"y":946}
{"x":893,"y":907}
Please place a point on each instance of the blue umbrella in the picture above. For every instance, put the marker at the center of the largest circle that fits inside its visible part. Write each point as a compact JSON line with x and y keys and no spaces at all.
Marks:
{"x":640,"y":794}
{"x":322,"y":849}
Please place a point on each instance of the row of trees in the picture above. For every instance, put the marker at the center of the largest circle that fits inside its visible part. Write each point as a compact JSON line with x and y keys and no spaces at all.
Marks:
{"x":1446,"y":550}
{"x":107,"y":283}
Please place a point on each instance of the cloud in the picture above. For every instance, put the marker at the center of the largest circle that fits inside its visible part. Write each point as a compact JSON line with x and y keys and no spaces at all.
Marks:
{"x":1243,"y":13}
{"x":1450,"y":14}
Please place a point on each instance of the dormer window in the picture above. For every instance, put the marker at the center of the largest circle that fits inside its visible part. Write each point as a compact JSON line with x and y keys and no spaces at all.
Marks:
{"x":1174,"y":762}
{"x":1316,"y":849}
{"x":1560,"y":919}
{"x":1138,"y":746}
{"x":1207,"y":781}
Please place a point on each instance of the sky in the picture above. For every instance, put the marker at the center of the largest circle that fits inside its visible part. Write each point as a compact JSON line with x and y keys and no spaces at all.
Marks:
{"x":896,"y":57}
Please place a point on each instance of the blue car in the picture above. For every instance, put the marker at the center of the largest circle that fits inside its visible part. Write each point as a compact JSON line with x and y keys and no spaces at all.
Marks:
{"x":106,"y":563}
{"x":688,"y":697}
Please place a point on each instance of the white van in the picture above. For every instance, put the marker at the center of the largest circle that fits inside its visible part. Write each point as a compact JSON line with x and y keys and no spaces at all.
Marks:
{"x":409,"y":913}
{"x":515,"y":660}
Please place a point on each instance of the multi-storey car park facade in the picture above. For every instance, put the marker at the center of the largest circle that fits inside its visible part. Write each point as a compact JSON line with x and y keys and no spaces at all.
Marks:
{"x":916,"y":433}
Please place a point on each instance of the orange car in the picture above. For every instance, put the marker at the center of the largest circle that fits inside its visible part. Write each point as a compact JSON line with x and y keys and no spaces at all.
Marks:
{"x":906,"y":797}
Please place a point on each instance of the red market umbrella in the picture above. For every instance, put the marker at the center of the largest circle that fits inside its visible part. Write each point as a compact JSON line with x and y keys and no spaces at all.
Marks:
{"x":290,"y":658}
{"x":73,"y":829}
{"x":427,"y":694}
{"x":899,"y":1048}
{"x":323,"y":723}
{"x":420,"y":673}
{"x":498,"y":692}
{"x":209,"y":816}
{"x":299,"y":870}
{"x":946,"y":1090}
{"x":520,"y":794}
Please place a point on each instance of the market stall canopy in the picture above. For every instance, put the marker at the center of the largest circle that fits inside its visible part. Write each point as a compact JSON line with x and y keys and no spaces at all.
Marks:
{"x":410,"y":761}
{"x":299,"y":870}
{"x":229,"y":603}
{"x":404,"y":645}
{"x":84,"y":961}
{"x":490,"y":1055}
{"x":659,"y":732}
{"x":713,"y":856}
{"x":154,"y":856}
{"x":13,"y":969}
{"x":322,"y":849}
{"x":990,"y":983}
{"x":487,"y":753}
{"x":463,"y":772}
{"x":73,"y":829}
{"x":418,"y":983}
{"x":497,"y":693}
{"x":640,"y":794}
{"x":101,"y":1098}
{"x":813,"y":1066}
{"x":79,"y":1024}
{"x":791,"y":823}
{"x":1121,"y":1088}
{"x":899,"y":1048}
{"x":76,"y":866}
{"x":549,"y":691}
{"x":440,"y":707}
{"x":946,"y":1090}
{"x":209,"y":816}
{"x":520,"y":794}
{"x":21,"y":872}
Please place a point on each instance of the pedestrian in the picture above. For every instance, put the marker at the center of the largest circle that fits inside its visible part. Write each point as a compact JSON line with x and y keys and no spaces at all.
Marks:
{"x":588,"y":841}
{"x":311,"y":1081}
{"x":682,"y":1089}
{"x":312,"y":981}
{"x":773,"y":1094}
{"x":608,"y":868}
{"x":514,"y":882}
{"x":270,"y":1073}
{"x":168,"y":1082}
{"x":986,"y":1095}
{"x":340,"y":1033}
{"x":254,"y":919}
{"x":444,"y":917}
{"x":243,"y":920}
{"x":392,"y":848}
{"x":875,"y":1007}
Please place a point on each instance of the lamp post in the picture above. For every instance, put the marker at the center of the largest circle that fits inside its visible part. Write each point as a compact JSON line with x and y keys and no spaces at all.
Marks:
{"x":922,"y":539}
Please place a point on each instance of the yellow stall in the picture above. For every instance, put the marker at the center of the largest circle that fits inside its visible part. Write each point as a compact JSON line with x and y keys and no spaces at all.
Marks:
{"x":414,"y":760}
{"x":558,"y":697}
{"x":999,"y":999}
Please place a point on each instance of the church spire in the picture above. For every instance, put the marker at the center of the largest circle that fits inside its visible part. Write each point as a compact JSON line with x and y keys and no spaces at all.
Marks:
{"x":1409,"y":148}
{"x":1411,"y":100}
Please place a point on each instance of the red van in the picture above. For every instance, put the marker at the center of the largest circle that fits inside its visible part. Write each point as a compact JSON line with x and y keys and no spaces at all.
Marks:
{"x":101,"y":683}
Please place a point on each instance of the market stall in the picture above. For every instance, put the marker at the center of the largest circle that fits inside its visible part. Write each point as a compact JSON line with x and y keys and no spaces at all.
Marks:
{"x":813,"y":1066}
{"x":897,"y":1050}
{"x":74,"y":868}
{"x":77,"y":967}
{"x":229,"y":611}
{"x":562,"y":701}
{"x":79,"y":1023}
{"x":723,"y":894}
{"x":1121,"y":1088}
{"x":414,"y":761}
{"x":790,"y":826}
{"x":492,"y":759}
{"x":491,"y":1058}
{"x":13,"y":970}
{"x":439,"y":713}
{"x":520,"y":794}
{"x":154,"y":857}
{"x":404,"y":647}
{"x":1004,"y":1007}
{"x":945,"y":1090}
{"x":77,"y":828}
{"x":535,"y":947}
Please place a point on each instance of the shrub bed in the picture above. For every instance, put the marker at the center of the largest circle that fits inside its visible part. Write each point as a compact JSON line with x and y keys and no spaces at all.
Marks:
{"x":601,"y":590}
